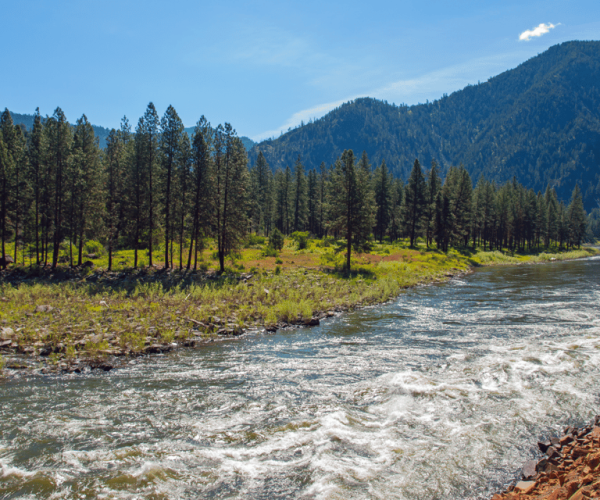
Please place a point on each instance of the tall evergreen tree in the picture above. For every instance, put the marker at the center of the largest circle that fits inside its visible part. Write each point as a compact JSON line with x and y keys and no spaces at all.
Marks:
{"x":170,"y":143}
{"x":414,"y":200}
{"x":150,"y":135}
{"x":433,"y":185}
{"x":230,"y":191}
{"x":382,"y":200}
{"x":299,"y":200}
{"x":59,"y":147}
{"x":576,"y":218}
{"x":352,"y":206}
{"x":37,"y":157}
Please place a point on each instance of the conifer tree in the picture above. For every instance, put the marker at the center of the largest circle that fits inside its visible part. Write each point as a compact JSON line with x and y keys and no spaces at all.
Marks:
{"x":313,"y":201}
{"x":433,"y":185}
{"x":552,"y":208}
{"x":184,"y":192}
{"x":86,"y":181}
{"x":114,"y":165}
{"x":202,"y":184}
{"x":382,"y":200}
{"x":352,"y":205}
{"x":396,"y":200}
{"x":323,"y":190}
{"x":576,"y":218}
{"x":299,"y":200}
{"x":150,"y":135}
{"x":414,"y":200}
{"x":230,"y":191}
{"x":170,"y":143}
{"x":137,"y":189}
{"x":37,"y":154}
{"x":59,"y":139}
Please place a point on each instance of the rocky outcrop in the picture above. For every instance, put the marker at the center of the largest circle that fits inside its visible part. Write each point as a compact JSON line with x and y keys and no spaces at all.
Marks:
{"x":570,"y":470}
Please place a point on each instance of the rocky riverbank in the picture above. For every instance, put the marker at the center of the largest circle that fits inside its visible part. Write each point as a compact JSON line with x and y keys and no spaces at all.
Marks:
{"x":569,"y":471}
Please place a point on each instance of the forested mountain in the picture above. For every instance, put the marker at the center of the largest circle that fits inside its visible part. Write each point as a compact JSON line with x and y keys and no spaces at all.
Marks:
{"x":27,"y":120}
{"x":246,"y":141}
{"x":539,"y":122}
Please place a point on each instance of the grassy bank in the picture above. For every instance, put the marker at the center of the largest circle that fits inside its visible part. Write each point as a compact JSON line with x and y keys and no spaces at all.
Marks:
{"x":71,"y":318}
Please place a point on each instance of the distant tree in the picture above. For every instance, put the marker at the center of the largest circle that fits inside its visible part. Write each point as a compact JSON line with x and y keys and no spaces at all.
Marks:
{"x":230,"y":191}
{"x":352,"y":206}
{"x":170,"y":143}
{"x":382,"y":190}
{"x":396,"y":200}
{"x":202,"y":182}
{"x":37,"y":158}
{"x":414,"y":201}
{"x":276,"y":239}
{"x":150,"y":137}
{"x":576,"y":218}
{"x":432,"y":187}
{"x":300,"y":198}
{"x":59,"y":138}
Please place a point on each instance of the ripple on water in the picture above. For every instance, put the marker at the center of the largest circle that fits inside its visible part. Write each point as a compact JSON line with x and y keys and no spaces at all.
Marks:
{"x":440,"y":394}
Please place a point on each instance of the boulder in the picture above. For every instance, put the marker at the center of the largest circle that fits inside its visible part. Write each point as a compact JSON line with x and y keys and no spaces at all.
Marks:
{"x":529,"y":470}
{"x":6,"y":260}
{"x":6,"y":333}
{"x":43,"y":308}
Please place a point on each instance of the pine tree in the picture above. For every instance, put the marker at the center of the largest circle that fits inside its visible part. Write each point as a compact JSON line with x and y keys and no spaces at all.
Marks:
{"x":432,"y":188}
{"x":576,"y":218}
{"x":201,"y":179}
{"x":552,"y":207}
{"x":230,"y":191}
{"x":170,"y":143}
{"x":352,"y":205}
{"x":59,"y":147}
{"x":382,"y":200}
{"x":396,"y":200}
{"x":299,"y":200}
{"x":414,"y":200}
{"x":183,"y":188}
{"x":150,"y":135}
{"x":323,"y":204}
{"x":37,"y":157}
{"x":313,"y":201}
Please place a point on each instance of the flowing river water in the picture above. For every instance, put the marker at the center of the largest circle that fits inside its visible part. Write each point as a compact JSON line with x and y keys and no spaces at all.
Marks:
{"x":440,"y":394}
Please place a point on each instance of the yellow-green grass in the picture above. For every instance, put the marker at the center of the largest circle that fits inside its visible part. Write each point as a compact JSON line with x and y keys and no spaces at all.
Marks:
{"x":124,"y":312}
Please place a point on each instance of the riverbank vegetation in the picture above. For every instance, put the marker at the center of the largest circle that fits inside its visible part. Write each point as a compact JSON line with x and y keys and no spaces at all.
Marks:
{"x":164,"y":239}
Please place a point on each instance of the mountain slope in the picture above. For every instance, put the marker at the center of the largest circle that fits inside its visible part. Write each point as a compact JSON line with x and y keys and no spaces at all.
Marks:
{"x":539,"y":122}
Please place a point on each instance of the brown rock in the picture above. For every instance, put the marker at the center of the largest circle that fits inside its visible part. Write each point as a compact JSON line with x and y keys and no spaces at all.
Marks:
{"x":43,"y":308}
{"x":525,"y":487}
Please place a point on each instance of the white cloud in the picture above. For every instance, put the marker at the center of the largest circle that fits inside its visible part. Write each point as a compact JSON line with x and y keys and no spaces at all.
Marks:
{"x":540,"y":30}
{"x":301,"y":116}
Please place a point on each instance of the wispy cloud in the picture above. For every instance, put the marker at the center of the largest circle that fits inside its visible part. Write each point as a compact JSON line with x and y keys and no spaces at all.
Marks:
{"x":411,"y":90}
{"x":538,"y":31}
{"x":302,"y":116}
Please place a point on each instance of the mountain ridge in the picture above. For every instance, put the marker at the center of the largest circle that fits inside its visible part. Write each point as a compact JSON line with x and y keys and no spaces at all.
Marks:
{"x":538,"y":122}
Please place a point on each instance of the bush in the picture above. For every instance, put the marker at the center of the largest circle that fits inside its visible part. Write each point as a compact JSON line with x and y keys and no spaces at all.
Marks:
{"x":276,"y":239}
{"x":277,"y":270}
{"x":254,"y":240}
{"x":301,"y":238}
{"x":93,"y":247}
{"x":278,"y":261}
{"x":269,"y":252}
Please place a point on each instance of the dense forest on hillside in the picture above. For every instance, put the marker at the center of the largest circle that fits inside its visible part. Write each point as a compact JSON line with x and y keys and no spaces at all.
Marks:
{"x":155,"y":189}
{"x":539,"y":122}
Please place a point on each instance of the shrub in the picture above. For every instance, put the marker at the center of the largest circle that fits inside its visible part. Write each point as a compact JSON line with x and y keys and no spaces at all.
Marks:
{"x":254,"y":240}
{"x":301,"y":238}
{"x":277,"y":270}
{"x":278,"y":261}
{"x":269,"y":252}
{"x":276,"y":239}
{"x":93,"y":247}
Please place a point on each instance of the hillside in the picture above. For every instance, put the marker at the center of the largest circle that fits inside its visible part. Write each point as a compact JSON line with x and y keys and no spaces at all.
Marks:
{"x":27,"y":120}
{"x":539,"y":122}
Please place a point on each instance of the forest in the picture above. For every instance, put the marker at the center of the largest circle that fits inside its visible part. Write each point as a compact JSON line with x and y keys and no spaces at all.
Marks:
{"x":157,"y":190}
{"x":538,"y":123}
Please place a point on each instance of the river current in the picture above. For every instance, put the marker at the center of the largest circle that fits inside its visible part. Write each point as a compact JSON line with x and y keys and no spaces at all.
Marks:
{"x":440,"y":394}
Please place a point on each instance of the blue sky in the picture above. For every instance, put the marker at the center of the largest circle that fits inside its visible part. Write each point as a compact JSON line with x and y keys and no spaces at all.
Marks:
{"x":264,"y":66}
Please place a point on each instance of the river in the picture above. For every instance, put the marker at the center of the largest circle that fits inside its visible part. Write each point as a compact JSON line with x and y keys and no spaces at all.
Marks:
{"x":440,"y":394}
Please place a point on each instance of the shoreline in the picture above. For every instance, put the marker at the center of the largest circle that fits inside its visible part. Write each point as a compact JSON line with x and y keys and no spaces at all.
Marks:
{"x":105,"y":345}
{"x":569,"y":471}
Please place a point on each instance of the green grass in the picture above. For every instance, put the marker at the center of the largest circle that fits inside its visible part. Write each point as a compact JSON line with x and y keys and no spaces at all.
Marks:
{"x":104,"y":317}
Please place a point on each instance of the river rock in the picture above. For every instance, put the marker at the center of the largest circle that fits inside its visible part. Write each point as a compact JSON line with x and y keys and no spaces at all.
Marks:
{"x":525,"y":487}
{"x":529,"y":470}
{"x":311,"y":322}
{"x":43,"y":308}
{"x":544,"y":445}
{"x":6,"y":333}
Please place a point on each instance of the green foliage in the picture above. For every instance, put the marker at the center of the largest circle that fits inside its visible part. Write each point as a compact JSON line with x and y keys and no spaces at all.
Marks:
{"x":278,"y":261}
{"x":94,"y":247}
{"x":269,"y":251}
{"x":301,"y":239}
{"x":499,"y":129}
{"x":277,"y":270}
{"x":253,"y":240}
{"x":276,"y":240}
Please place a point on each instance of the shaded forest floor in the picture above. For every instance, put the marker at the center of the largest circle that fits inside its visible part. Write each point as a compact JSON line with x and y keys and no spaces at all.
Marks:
{"x":72,"y":319}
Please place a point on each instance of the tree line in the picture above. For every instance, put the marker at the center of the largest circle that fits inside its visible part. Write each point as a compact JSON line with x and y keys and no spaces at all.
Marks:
{"x":158,"y":186}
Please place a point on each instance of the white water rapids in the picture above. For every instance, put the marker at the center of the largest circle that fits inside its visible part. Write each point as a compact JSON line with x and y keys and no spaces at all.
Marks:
{"x":441,"y":394}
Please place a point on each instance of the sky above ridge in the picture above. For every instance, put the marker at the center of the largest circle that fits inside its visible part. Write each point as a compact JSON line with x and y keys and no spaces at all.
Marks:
{"x":265,"y":66}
